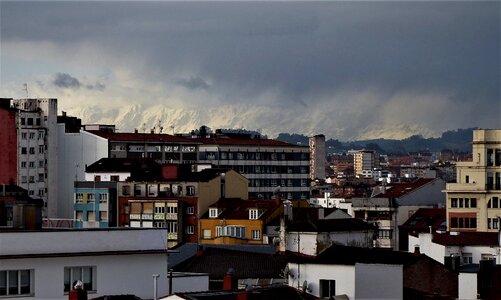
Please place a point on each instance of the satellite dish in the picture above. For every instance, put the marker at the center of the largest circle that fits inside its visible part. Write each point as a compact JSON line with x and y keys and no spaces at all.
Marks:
{"x":305,"y":286}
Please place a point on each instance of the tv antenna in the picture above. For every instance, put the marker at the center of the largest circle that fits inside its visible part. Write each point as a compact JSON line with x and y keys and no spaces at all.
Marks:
{"x":25,"y":88}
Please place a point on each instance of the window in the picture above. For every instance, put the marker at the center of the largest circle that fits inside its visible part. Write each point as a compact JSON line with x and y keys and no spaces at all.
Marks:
{"x":467,"y":258}
{"x":41,"y":149}
{"x":253,"y":214}
{"x":91,"y":197}
{"x":103,"y":198}
{"x":16,"y":282}
{"x":91,"y":216}
{"x":41,"y":164}
{"x":160,"y":209}
{"x":207,"y":233}
{"x":190,"y":210}
{"x":256,"y":234}
{"x":24,"y":179}
{"x":231,"y":231}
{"x":32,"y":179}
{"x":467,"y":179}
{"x":327,"y":288}
{"x":32,"y":164}
{"x":41,"y":177}
{"x":38,"y":122}
{"x":32,"y":150}
{"x":41,"y":135}
{"x":41,"y":192}
{"x":172,"y":227}
{"x":78,"y":197}
{"x":103,"y":216}
{"x":114,"y":178}
{"x":190,"y":229}
{"x":31,"y":192}
{"x":213,"y":212}
{"x":190,"y":190}
{"x":485,"y":256}
{"x":32,"y":135}
{"x":23,"y":150}
{"x":84,"y":274}
{"x":23,"y":121}
{"x":23,"y":164}
{"x":23,"y":135}
{"x":97,"y":178}
{"x":30,"y":121}
{"x":384,"y":233}
{"x":171,"y":208}
{"x":463,"y":222}
{"x":490,"y":157}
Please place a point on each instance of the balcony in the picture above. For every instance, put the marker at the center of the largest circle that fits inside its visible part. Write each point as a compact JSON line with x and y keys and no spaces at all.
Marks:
{"x":464,"y":187}
{"x":171,"y":216}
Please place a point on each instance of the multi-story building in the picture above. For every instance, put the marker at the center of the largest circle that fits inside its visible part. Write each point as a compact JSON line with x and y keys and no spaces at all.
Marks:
{"x":272,"y":167}
{"x":35,"y":146}
{"x":317,"y":157}
{"x":365,"y":161}
{"x":94,"y":204}
{"x":390,"y":206}
{"x":474,"y":201}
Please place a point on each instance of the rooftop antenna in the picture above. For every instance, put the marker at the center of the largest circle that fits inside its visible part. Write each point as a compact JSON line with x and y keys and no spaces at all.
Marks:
{"x":172,"y":127}
{"x":160,"y":128}
{"x":25,"y":88}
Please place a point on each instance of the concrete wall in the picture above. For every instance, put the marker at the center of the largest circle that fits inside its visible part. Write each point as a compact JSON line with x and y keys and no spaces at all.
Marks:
{"x":377,"y":281}
{"x":468,"y":286}
{"x":426,"y":246}
{"x":190,"y":282}
{"x":307,"y":242}
{"x":312,"y":273}
{"x":75,"y":151}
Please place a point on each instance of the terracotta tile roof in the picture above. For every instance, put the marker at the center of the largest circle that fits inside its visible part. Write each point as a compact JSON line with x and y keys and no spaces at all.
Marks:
{"x":141,"y":137}
{"x":399,"y":189}
{"x":346,"y":255}
{"x":217,"y":261}
{"x":238,"y":209}
{"x":332,"y":225}
{"x":244,"y":141}
{"x":467,"y":239}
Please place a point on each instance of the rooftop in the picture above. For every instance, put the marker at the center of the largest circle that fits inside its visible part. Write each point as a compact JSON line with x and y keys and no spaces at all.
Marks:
{"x":399,"y":189}
{"x":331,"y":225}
{"x":423,"y":218}
{"x":238,"y":209}
{"x":244,"y":141}
{"x":467,"y":239}
{"x":142,"y":137}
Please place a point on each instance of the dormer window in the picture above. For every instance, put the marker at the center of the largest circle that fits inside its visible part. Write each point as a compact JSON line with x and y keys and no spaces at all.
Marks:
{"x":213,"y":212}
{"x":255,"y":213}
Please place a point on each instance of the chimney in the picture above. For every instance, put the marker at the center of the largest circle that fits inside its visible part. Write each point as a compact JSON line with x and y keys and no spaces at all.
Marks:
{"x":244,"y":295}
{"x":200,"y":250}
{"x":78,"y":293}
{"x":416,"y":250}
{"x":135,"y":130}
{"x":229,"y":281}
{"x":152,"y":131}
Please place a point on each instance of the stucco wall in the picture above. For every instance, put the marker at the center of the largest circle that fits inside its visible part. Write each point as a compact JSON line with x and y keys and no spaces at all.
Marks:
{"x":377,"y":281}
{"x":468,"y":286}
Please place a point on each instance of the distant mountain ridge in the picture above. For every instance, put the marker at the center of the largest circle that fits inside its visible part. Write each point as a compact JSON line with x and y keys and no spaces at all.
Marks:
{"x":456,"y":140}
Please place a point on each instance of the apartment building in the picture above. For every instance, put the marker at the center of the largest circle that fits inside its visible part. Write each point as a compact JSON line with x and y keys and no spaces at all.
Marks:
{"x":365,"y":161}
{"x":34,"y":145}
{"x":474,"y":201}
{"x":272,"y":167}
{"x":317,"y":157}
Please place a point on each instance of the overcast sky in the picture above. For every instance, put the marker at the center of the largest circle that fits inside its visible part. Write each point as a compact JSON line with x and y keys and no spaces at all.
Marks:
{"x":346,"y":69}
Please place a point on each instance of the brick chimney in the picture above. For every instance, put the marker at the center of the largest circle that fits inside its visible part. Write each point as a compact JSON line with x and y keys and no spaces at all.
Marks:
{"x":230,"y":282}
{"x":416,"y":251}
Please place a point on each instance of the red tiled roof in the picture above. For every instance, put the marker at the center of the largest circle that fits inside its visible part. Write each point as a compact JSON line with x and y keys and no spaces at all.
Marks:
{"x":399,"y":189}
{"x":140,"y":137}
{"x":467,"y":239}
{"x":247,"y":142}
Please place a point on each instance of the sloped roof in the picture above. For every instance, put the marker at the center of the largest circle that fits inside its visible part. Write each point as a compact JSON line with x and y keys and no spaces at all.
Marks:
{"x":142,"y":137}
{"x":217,"y":261}
{"x":331,"y":225}
{"x":423,"y":218}
{"x":238,"y":209}
{"x":346,"y":255}
{"x":399,"y":189}
{"x":123,"y":165}
{"x":262,"y":293}
{"x":244,"y":141}
{"x":467,"y":239}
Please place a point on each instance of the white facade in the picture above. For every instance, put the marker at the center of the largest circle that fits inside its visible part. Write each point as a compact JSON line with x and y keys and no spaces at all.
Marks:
{"x":309,"y":242}
{"x":107,"y":176}
{"x":467,"y":284}
{"x":51,"y":256}
{"x":359,"y":281}
{"x":468,"y":254}
{"x":329,"y":202}
{"x":36,"y":150}
{"x":76,"y":150}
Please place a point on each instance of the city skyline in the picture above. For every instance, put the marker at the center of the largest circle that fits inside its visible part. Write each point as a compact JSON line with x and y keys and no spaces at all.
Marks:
{"x":348,"y":70}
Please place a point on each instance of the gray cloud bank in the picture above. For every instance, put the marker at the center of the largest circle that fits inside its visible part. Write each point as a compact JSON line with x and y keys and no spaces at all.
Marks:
{"x":366,"y":58}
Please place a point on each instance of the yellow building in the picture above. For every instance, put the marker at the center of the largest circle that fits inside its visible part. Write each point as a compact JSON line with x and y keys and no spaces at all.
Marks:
{"x":237,"y":221}
{"x":473,"y":203}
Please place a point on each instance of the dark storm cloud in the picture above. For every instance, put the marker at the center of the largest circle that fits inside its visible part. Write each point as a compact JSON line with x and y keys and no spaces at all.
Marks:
{"x":304,"y":53}
{"x":64,"y":80}
{"x":192,"y":83}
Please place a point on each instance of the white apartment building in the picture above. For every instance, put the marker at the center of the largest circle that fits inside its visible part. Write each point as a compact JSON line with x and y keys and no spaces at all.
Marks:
{"x":36,"y":123}
{"x":45,"y":264}
{"x":474,"y":201}
{"x":317,"y":157}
